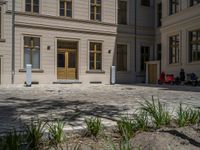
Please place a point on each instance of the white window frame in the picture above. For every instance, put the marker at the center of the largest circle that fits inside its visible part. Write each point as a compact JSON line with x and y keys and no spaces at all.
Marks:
{"x":58,"y":8}
{"x":102,"y":12}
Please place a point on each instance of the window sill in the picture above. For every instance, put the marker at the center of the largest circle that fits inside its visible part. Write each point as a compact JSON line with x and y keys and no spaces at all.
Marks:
{"x":33,"y":70}
{"x":2,"y":40}
{"x":95,"y":71}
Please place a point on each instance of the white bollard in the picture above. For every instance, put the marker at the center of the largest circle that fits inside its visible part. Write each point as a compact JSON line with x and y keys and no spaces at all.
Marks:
{"x":28,"y":75}
{"x":113,"y":74}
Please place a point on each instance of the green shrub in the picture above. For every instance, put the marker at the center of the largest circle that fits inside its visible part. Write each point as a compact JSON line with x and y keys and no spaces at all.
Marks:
{"x":157,"y":111}
{"x":34,"y":134}
{"x":126,"y":127}
{"x":141,"y":121}
{"x":11,"y":141}
{"x":94,"y":126}
{"x":56,"y":133}
{"x":187,"y":116}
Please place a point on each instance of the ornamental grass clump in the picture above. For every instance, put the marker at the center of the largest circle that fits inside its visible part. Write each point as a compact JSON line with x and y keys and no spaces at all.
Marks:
{"x":56,"y":133}
{"x":141,"y":121}
{"x":11,"y":141}
{"x":126,"y":127}
{"x":34,"y":134}
{"x":187,"y":116}
{"x":157,"y":111}
{"x":94,"y":126}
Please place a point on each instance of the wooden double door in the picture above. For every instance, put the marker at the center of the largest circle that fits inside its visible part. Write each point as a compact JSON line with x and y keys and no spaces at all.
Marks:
{"x":152,"y":71}
{"x":67,"y":64}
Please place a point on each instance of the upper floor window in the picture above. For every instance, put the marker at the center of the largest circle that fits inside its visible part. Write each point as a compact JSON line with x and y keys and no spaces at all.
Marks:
{"x":66,"y":8}
{"x":122,"y":12}
{"x":174,"y":49}
{"x":194,"y":2}
{"x":122,"y":57}
{"x":95,"y":56}
{"x":95,"y":10}
{"x":145,"y":56}
{"x":32,"y":6}
{"x":194,"y":45}
{"x":32,"y":51}
{"x":159,"y":51}
{"x":146,"y":3}
{"x":0,"y":23}
{"x":173,"y":6}
{"x":159,"y":14}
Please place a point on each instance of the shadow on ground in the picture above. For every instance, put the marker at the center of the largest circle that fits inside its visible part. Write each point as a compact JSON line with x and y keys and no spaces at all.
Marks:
{"x":19,"y":111}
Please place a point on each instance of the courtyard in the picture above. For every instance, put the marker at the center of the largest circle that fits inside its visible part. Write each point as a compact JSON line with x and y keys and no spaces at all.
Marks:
{"x":74,"y":102}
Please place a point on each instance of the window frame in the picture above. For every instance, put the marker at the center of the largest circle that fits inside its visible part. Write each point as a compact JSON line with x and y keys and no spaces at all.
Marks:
{"x":1,"y":22}
{"x":65,"y":8}
{"x":40,"y":40}
{"x":127,"y":13}
{"x":89,"y":51}
{"x":196,"y":43}
{"x":159,"y":14}
{"x":32,"y":7}
{"x":176,"y":4}
{"x":174,"y":46}
{"x":95,"y":14}
{"x":149,"y":55}
{"x":127,"y":58}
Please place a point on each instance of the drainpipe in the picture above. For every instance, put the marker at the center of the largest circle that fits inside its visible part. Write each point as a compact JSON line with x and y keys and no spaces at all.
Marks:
{"x":13,"y":41}
{"x":135,"y":35}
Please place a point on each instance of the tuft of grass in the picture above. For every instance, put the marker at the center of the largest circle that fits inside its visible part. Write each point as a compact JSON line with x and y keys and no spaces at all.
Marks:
{"x":123,"y":145}
{"x":11,"y":141}
{"x":141,"y":121}
{"x":126,"y":127}
{"x":94,"y":126}
{"x":34,"y":134}
{"x":157,"y":111}
{"x":56,"y":133}
{"x":187,"y":116}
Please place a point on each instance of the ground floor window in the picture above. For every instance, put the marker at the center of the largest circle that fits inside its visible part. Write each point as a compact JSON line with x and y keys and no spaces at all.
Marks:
{"x":145,"y":56}
{"x":121,"y":57}
{"x":174,"y":49}
{"x":95,"y":57}
{"x":159,"y":52}
{"x":32,"y":51}
{"x":194,"y":45}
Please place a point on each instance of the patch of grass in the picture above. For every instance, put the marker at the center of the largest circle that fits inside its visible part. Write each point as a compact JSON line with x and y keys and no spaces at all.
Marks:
{"x":56,"y":133}
{"x":141,"y":121}
{"x":11,"y":141}
{"x":34,"y":134}
{"x":94,"y":126}
{"x":157,"y":111}
{"x":126,"y":127}
{"x":187,"y":116}
{"x":123,"y":145}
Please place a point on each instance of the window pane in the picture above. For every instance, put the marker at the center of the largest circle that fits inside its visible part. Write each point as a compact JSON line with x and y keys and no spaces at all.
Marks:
{"x":91,"y":65}
{"x":27,"y":41}
{"x":72,"y":60}
{"x":36,"y":58}
{"x":61,"y":60}
{"x":27,"y":54}
{"x":122,"y":12}
{"x":121,"y":57}
{"x":98,"y":65}
{"x":95,"y":56}
{"x":69,"y":9}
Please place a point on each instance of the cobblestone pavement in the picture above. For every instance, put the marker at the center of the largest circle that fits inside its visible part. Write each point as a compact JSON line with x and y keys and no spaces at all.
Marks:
{"x":72,"y":103}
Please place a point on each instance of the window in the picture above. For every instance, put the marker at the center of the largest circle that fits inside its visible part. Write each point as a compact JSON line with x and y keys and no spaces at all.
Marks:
{"x":194,"y":46}
{"x":159,"y":51}
{"x":32,"y":6}
{"x":145,"y":56}
{"x":121,"y":57}
{"x":66,"y":8}
{"x":174,"y":49}
{"x":122,"y":12}
{"x":95,"y":10}
{"x":159,"y":14}
{"x":95,"y":56}
{"x":0,"y":23}
{"x":194,"y":2}
{"x":173,"y":6}
{"x":146,"y":3}
{"x":32,"y":51}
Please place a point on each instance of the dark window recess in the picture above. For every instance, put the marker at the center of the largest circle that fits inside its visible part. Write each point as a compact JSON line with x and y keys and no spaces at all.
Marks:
{"x":32,"y":6}
{"x":173,"y":6}
{"x":61,"y":60}
{"x":145,"y":56}
{"x":159,"y":51}
{"x":174,"y":49}
{"x":159,"y":14}
{"x":194,"y":2}
{"x":146,"y":3}
{"x":122,"y":12}
{"x":194,"y":46}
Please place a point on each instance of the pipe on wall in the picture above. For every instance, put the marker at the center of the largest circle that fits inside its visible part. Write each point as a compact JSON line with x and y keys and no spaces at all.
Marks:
{"x":13,"y":41}
{"x":135,"y":34}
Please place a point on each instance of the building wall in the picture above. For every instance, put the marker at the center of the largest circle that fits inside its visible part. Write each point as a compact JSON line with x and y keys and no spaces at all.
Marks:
{"x":186,"y":20}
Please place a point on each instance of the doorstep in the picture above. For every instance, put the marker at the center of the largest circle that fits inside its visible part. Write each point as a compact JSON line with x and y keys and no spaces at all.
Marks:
{"x":67,"y":82}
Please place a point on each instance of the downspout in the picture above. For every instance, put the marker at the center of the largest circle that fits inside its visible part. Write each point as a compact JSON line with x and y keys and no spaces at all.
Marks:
{"x":135,"y":35}
{"x":13,"y":41}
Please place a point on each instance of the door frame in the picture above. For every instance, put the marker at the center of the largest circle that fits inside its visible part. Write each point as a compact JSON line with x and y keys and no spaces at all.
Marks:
{"x":78,"y":56}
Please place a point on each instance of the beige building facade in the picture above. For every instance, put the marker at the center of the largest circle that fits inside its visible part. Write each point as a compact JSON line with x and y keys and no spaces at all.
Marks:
{"x":79,"y":40}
